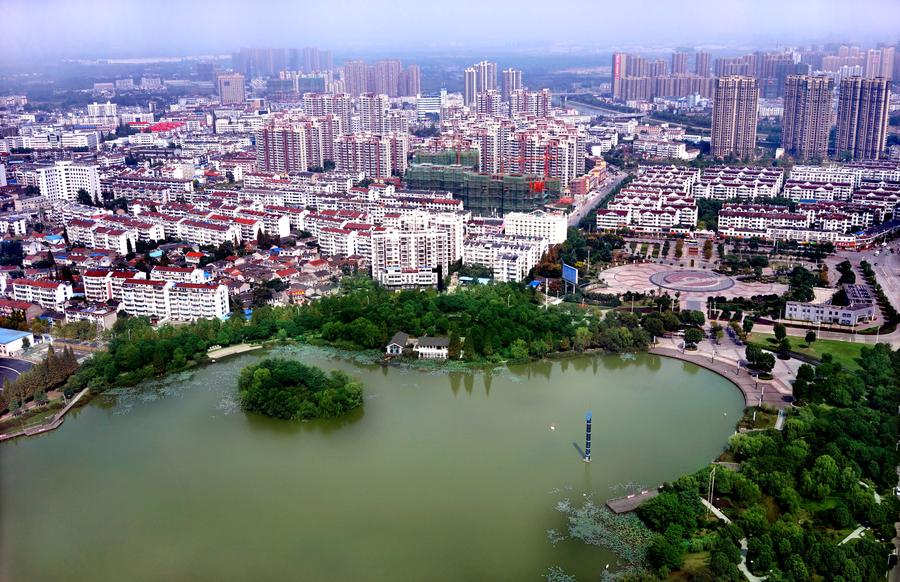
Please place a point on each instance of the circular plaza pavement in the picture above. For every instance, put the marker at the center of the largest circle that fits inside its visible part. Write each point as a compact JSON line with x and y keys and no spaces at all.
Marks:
{"x":692,"y":281}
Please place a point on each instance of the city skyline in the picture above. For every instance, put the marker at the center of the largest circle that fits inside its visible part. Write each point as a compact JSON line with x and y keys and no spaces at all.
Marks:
{"x":106,"y":32}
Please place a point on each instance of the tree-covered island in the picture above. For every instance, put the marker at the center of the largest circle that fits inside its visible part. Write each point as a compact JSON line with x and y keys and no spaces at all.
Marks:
{"x":282,"y":388}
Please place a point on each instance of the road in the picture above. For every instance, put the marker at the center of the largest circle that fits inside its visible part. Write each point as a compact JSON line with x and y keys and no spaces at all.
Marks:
{"x":10,"y":368}
{"x":580,"y":212}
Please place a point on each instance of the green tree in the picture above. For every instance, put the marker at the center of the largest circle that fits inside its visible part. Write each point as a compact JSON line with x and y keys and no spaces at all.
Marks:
{"x":747,"y":325}
{"x":810,"y":337}
{"x":780,"y":331}
{"x":693,"y":336}
{"x":663,"y":553}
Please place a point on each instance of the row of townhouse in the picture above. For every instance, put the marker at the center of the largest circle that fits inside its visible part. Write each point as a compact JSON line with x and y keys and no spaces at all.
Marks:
{"x":649,"y":210}
{"x":798,"y":190}
{"x":747,"y":183}
{"x":178,"y":301}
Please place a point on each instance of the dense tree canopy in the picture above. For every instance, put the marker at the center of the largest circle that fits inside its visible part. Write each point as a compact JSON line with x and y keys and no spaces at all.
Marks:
{"x":291,"y":390}
{"x":799,"y":491}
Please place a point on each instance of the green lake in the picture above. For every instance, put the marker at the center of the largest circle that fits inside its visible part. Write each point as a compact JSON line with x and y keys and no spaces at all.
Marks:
{"x":442,"y":476}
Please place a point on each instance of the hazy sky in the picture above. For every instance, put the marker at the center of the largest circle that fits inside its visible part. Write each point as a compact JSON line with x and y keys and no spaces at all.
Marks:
{"x":77,"y":28}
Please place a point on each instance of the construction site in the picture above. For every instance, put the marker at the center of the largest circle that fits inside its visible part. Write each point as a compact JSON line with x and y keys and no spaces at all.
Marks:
{"x":485,"y":194}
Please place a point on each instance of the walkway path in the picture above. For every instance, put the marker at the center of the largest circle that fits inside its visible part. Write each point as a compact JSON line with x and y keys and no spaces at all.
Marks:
{"x":53,"y":424}
{"x":857,"y":533}
{"x":742,"y":566}
{"x":231,"y":350}
{"x":774,"y":393}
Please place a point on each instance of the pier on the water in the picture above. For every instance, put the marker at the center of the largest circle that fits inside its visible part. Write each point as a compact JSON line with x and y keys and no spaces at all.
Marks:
{"x":631,"y":502}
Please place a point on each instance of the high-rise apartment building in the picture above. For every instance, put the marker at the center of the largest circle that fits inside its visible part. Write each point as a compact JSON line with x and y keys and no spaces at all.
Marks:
{"x":260,"y":62}
{"x":862,"y":117}
{"x":617,"y":72}
{"x":338,"y":104}
{"x":355,"y":78}
{"x":512,"y":81}
{"x":679,"y":63}
{"x":375,"y":155}
{"x":387,"y":78}
{"x":231,"y":88}
{"x":281,"y":148}
{"x":411,"y":81}
{"x":488,"y":103}
{"x":373,"y":109}
{"x":734,"y":117}
{"x":880,"y":63}
{"x":701,"y":64}
{"x":477,"y":78}
{"x":807,"y":116}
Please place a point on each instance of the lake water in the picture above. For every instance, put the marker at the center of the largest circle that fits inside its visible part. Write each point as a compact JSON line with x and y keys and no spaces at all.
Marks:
{"x":442,"y":476}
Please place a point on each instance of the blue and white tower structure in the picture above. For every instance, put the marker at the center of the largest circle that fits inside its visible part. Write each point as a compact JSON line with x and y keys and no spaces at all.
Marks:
{"x":587,"y":437}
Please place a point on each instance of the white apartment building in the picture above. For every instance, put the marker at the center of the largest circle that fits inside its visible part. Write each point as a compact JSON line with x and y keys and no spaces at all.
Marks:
{"x":398,"y":278}
{"x":47,"y":294}
{"x":64,"y":179}
{"x":392,"y":247}
{"x":178,"y":274}
{"x":552,"y":226}
{"x":509,"y":257}
{"x":175,"y":301}
{"x":663,"y":148}
{"x":192,"y":301}
{"x":102,"y":285}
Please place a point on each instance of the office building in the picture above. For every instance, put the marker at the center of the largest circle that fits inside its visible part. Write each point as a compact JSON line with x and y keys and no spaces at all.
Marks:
{"x":231,"y":88}
{"x":862,"y":117}
{"x":734,"y":117}
{"x":807,"y":116}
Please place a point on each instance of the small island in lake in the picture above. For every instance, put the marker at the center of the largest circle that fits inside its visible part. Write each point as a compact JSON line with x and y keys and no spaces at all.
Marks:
{"x":282,"y":388}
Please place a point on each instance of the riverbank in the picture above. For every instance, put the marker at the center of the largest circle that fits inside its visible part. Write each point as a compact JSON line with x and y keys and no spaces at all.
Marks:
{"x":53,"y":424}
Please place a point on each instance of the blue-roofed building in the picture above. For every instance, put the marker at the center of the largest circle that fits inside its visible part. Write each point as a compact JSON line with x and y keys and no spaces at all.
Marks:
{"x":13,"y":341}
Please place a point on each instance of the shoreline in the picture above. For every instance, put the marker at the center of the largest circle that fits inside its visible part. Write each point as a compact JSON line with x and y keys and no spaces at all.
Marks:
{"x":753,"y":390}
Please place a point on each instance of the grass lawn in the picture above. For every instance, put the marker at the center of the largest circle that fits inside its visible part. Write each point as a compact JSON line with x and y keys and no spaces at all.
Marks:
{"x":844,"y":352}
{"x":764,"y":418}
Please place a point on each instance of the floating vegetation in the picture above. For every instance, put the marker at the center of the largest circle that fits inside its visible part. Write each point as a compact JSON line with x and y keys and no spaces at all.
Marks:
{"x":623,"y":534}
{"x":554,"y":537}
{"x":627,"y":488}
{"x":557,"y":574}
{"x":628,"y":356}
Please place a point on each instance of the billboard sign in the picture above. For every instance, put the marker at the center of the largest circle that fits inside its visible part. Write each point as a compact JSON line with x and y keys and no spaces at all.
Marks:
{"x":570,"y":274}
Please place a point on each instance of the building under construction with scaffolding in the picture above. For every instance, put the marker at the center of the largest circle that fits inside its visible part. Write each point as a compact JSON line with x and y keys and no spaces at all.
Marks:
{"x":467,"y":158}
{"x":485,"y":194}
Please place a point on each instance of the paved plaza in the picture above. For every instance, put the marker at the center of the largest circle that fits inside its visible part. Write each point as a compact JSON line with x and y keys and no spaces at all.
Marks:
{"x":692,"y":283}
